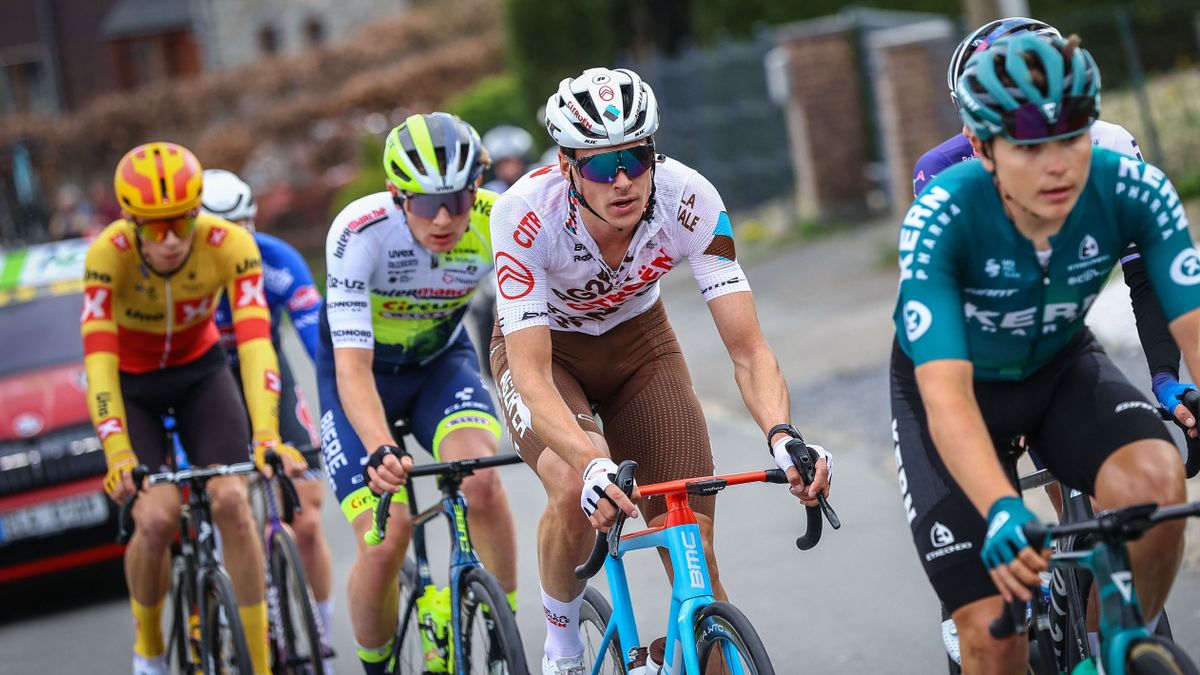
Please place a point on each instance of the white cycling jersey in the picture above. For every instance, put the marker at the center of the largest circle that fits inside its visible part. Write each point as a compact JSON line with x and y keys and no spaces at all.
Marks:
{"x":1114,"y":137}
{"x":549,"y":270}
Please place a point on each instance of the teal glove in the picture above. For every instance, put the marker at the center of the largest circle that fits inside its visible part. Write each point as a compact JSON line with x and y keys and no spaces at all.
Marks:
{"x":1006,"y":531}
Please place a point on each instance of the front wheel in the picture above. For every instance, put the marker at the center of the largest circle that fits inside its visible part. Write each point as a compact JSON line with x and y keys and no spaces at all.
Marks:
{"x":1156,"y":656}
{"x":297,"y":638}
{"x":727,"y":643}
{"x":223,"y":640}
{"x":594,"y":614}
{"x":490,"y":640}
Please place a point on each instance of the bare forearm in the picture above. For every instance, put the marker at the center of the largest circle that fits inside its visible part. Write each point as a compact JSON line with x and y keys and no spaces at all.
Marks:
{"x":555,"y":423}
{"x":363,"y":407}
{"x":962,"y":441}
{"x":764,"y":389}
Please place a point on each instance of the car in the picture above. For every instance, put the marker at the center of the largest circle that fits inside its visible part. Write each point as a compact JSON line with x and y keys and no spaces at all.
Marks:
{"x":54,"y":514}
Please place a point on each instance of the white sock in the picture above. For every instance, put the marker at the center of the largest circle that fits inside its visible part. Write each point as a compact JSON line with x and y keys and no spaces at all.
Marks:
{"x":145,"y":666}
{"x":325,"y":614}
{"x":1094,"y":644}
{"x":562,"y":627}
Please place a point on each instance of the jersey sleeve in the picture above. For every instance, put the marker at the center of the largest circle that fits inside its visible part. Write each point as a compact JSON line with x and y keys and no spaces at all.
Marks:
{"x":929,"y":307}
{"x":300,"y":296}
{"x":708,"y":243}
{"x":520,"y":265}
{"x":1152,"y":215}
{"x":245,"y":288}
{"x":98,"y":326}
{"x":349,"y":259}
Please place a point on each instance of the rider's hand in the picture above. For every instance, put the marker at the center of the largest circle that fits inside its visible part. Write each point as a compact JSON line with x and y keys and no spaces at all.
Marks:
{"x":822,"y":475}
{"x":294,"y":463}
{"x":601,"y":498}
{"x":1169,"y":391}
{"x":1013,"y":565}
{"x":117,"y":481}
{"x":387,"y":469}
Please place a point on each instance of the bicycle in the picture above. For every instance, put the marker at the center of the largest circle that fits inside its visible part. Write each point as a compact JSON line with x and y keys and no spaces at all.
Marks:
{"x":476,"y":598}
{"x":206,"y":634}
{"x":297,"y":637}
{"x":721,"y":635}
{"x":1127,"y":647}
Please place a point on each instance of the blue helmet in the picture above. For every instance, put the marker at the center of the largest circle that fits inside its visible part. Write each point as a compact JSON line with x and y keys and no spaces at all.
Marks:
{"x":1030,"y":89}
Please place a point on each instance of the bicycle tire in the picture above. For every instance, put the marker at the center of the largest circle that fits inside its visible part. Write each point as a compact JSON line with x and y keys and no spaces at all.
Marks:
{"x":719,"y":624}
{"x":594,"y":615}
{"x":301,"y":651}
{"x":179,"y":647}
{"x":1163,"y":629}
{"x":482,"y":602}
{"x":1156,"y":656}
{"x":223,"y":639}
{"x":409,"y":654}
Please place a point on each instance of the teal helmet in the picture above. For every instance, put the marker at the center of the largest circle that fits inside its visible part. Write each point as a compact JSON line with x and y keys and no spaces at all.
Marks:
{"x":1000,"y":96}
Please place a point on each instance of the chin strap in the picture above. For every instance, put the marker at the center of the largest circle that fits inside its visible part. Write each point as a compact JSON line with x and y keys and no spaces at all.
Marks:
{"x":576,"y":197}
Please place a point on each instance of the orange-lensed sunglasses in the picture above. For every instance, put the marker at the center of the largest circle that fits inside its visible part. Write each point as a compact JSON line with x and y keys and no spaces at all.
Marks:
{"x":156,"y":230}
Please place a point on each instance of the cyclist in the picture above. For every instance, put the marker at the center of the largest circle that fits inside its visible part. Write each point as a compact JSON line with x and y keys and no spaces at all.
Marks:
{"x":1162,"y":355}
{"x":999,"y":261}
{"x":402,"y":266}
{"x":579,"y":249}
{"x":151,"y":282}
{"x":288,"y":286}
{"x":509,"y":148}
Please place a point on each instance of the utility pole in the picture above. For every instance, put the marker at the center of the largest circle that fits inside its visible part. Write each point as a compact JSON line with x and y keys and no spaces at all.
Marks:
{"x":979,"y":12}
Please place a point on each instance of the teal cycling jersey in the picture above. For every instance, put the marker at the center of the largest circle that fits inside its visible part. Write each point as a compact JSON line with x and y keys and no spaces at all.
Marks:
{"x":972,"y":286}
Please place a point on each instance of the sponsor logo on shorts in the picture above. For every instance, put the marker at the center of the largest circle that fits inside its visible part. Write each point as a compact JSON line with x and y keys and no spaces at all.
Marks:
{"x":1131,"y":405}
{"x":331,"y":446}
{"x":909,"y":511}
{"x":940,"y":535}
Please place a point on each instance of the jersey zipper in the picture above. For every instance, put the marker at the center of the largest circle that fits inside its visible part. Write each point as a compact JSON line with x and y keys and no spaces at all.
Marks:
{"x":170,"y":326}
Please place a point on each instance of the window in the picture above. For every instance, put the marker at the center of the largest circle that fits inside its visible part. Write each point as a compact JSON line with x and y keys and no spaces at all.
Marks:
{"x":314,"y":31}
{"x":268,"y":40}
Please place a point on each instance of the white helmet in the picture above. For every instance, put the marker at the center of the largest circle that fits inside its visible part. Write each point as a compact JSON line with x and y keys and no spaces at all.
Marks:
{"x":227,"y":196}
{"x":508,"y":142}
{"x":981,"y":37}
{"x":601,"y":108}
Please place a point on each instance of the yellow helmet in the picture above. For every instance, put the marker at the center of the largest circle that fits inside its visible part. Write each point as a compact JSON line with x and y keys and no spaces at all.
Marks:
{"x":158,"y":180}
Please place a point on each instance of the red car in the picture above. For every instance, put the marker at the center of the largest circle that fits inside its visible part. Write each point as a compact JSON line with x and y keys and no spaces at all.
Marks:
{"x":54,"y":514}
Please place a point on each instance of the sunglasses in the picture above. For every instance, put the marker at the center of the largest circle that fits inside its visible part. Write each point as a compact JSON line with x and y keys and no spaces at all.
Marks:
{"x":427,"y":206}
{"x":603,"y":168}
{"x":1027,"y":124}
{"x":156,"y":230}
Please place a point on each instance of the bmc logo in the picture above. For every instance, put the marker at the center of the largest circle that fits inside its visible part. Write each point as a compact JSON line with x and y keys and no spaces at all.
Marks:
{"x":216,"y":237}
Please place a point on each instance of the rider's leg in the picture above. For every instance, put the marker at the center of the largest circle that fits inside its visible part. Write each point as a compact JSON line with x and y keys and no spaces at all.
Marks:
{"x":1148,"y":471}
{"x":490,"y":518}
{"x":147,"y":565}
{"x":243,"y":557}
{"x":310,"y":539}
{"x":981,"y":653}
{"x":372,"y":594}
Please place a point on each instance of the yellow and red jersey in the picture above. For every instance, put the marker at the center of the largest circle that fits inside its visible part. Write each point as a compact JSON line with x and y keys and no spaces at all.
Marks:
{"x":137,"y":321}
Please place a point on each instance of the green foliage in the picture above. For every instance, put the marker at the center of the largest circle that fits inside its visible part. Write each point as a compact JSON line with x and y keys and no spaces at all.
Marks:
{"x":493,"y":101}
{"x":1188,"y":185}
{"x":370,"y":178}
{"x":548,"y":41}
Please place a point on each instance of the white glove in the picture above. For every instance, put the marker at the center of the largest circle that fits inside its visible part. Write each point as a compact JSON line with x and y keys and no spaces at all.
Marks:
{"x":784,"y":461}
{"x":599,"y":474}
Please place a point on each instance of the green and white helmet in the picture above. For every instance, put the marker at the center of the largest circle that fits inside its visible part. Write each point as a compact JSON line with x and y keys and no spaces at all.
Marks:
{"x":1000,"y":95}
{"x":433,"y":154}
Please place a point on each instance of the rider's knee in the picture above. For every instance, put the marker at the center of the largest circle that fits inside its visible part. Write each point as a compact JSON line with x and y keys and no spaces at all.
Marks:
{"x":158,"y":526}
{"x":307,"y":527}
{"x":483,"y":490}
{"x":230,"y":506}
{"x":978,"y":646}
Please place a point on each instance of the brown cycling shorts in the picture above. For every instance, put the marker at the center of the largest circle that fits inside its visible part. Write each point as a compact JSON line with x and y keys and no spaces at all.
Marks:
{"x":636,"y":378}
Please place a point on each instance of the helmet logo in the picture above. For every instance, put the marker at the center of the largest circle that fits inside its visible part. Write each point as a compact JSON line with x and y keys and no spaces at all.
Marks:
{"x":612,"y":113}
{"x":600,"y":79}
{"x":606,"y":93}
{"x":1050,"y":110}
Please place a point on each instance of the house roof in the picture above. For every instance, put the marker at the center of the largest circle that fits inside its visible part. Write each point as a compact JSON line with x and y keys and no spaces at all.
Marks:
{"x":129,"y":18}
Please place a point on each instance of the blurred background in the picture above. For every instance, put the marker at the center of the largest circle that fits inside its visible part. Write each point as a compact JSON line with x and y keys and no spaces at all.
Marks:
{"x":814,"y":111}
{"x":807,"y":116}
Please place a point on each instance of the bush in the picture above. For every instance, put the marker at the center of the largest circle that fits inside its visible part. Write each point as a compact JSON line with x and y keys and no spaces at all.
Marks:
{"x":493,"y":101}
{"x":370,"y":179}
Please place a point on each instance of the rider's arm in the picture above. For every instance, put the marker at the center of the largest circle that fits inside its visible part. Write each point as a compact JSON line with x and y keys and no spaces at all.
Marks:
{"x":99,"y":329}
{"x":956,"y":425}
{"x":303,"y":300}
{"x":252,"y":327}
{"x":1162,"y":354}
{"x":755,"y":368}
{"x":360,"y":399}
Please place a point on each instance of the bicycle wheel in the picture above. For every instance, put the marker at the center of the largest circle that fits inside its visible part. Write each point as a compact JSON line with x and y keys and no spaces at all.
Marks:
{"x":299,"y":649}
{"x":490,"y":640}
{"x":724,"y":637}
{"x":223,"y":641}
{"x":594,"y":615}
{"x":1156,"y":656}
{"x":182,"y":650}
{"x":410,"y":655}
